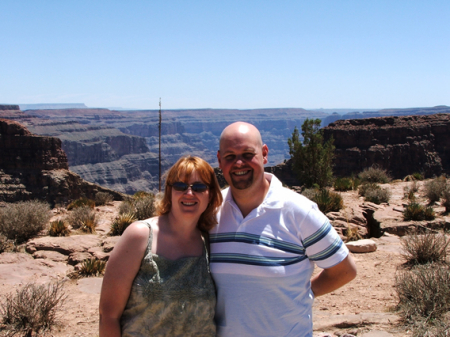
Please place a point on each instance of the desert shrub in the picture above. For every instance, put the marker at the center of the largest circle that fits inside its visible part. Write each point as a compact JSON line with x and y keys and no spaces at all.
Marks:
{"x":410,"y":190}
{"x":141,"y":207}
{"x":120,"y":223}
{"x":141,"y":194}
{"x":58,"y":228}
{"x":21,"y":221}
{"x":4,"y":243}
{"x":89,"y":268}
{"x":423,"y":291}
{"x":309,"y":193}
{"x":434,"y":189}
{"x":374,"y":174}
{"x":365,"y":187}
{"x":378,"y":196}
{"x":417,"y":176}
{"x":33,"y":308}
{"x":145,"y":207}
{"x":102,"y":198}
{"x":430,"y":328}
{"x":82,"y":202}
{"x":352,"y":234}
{"x":328,"y":201}
{"x":89,"y":224}
{"x":343,"y":184}
{"x":81,"y":216}
{"x":417,"y":212}
{"x":424,"y":248}
{"x":446,"y":198}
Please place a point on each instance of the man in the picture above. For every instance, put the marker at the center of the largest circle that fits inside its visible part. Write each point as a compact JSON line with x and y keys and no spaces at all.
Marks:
{"x":266,"y":243}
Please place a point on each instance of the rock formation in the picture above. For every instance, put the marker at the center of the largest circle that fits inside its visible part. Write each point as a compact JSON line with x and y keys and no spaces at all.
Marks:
{"x":35,"y":167}
{"x":401,"y":145}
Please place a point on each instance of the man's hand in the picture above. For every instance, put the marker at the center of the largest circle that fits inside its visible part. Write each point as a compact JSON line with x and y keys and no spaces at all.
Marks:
{"x":333,"y":278}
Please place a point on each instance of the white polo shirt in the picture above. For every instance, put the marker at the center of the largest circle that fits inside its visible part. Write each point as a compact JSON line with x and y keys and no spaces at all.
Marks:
{"x":262,"y":264}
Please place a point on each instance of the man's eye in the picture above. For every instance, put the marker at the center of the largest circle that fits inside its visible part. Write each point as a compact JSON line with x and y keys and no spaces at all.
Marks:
{"x":230,"y":157}
{"x":248,"y":155}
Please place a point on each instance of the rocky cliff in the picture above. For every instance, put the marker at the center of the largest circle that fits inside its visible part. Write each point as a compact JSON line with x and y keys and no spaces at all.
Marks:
{"x":35,"y":167}
{"x":402,"y":145}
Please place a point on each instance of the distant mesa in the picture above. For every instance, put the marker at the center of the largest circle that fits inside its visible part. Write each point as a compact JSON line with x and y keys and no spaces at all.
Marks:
{"x":53,"y":106}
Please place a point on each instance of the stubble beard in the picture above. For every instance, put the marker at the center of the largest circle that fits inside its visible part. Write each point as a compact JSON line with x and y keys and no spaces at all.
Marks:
{"x":241,"y":184}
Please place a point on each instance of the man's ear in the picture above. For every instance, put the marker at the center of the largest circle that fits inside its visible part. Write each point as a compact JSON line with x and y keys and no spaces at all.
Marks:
{"x":218,"y":158}
{"x":265,"y":153}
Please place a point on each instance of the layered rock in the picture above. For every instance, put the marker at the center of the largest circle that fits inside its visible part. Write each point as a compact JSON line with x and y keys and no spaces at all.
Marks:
{"x":402,"y":145}
{"x":35,"y":167}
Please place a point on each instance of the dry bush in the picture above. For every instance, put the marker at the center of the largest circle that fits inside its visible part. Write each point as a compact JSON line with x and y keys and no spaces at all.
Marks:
{"x":82,"y":202}
{"x":434,"y":189}
{"x":23,"y":220}
{"x":431,"y":328}
{"x":417,"y":212}
{"x":378,"y":196}
{"x":81,"y":216}
{"x":425,"y":248}
{"x":424,"y":291}
{"x":33,"y":308}
{"x":374,"y":174}
{"x":309,"y":193}
{"x":89,"y":268}
{"x":142,"y":206}
{"x":102,"y":198}
{"x":121,"y":223}
{"x":4,"y":243}
{"x":364,"y":188}
{"x":446,"y":198}
{"x":410,"y":190}
{"x":352,"y":234}
{"x":58,"y":228}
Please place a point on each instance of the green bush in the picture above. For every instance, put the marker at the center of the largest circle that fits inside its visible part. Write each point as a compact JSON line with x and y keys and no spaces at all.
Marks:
{"x":82,"y":202}
{"x":374,"y":174}
{"x":378,"y":196}
{"x":121,"y":223}
{"x":424,"y":248}
{"x":417,"y":176}
{"x":417,"y":212}
{"x":58,"y":228}
{"x":328,"y":201}
{"x":23,"y":220}
{"x":89,"y":268}
{"x":434,"y":189}
{"x":79,"y":217}
{"x":33,"y":308}
{"x":343,"y":184}
{"x":102,"y":198}
{"x":424,"y":291}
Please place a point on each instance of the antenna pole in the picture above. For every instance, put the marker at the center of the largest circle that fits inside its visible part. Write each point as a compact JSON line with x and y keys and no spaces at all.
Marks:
{"x":160,"y":144}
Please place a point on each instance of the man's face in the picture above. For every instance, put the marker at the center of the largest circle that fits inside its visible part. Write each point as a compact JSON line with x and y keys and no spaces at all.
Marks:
{"x":242,"y":158}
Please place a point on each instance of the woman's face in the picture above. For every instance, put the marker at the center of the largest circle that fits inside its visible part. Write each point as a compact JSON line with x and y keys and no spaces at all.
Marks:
{"x":189,"y":203}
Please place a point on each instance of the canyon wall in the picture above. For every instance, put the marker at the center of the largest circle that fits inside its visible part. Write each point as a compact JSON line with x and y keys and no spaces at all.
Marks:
{"x":402,"y":145}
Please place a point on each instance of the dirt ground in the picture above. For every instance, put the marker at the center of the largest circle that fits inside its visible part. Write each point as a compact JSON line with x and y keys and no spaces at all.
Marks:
{"x":364,"y":305}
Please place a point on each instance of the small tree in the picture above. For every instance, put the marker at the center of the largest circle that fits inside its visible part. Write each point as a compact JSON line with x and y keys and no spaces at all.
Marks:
{"x":312,"y":159}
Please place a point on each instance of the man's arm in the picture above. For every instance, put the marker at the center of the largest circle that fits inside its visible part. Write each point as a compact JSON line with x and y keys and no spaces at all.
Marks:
{"x":333,"y":278}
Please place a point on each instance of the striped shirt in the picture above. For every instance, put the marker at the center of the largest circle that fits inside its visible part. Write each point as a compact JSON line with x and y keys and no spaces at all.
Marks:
{"x":262,"y":264}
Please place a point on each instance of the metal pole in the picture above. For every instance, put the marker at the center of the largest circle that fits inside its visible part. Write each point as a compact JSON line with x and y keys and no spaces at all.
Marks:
{"x":160,"y":144}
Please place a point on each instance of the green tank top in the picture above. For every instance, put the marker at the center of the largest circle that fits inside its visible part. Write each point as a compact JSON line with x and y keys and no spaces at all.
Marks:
{"x":170,"y":297}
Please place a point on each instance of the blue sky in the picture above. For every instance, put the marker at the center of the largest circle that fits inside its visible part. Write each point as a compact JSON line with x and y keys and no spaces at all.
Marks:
{"x":226,"y":54}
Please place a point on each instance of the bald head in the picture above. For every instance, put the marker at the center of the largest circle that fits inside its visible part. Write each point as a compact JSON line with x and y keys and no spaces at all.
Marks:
{"x":241,"y":129}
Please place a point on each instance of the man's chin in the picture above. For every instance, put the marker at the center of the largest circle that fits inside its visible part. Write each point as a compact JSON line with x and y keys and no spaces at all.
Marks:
{"x":242,"y":184}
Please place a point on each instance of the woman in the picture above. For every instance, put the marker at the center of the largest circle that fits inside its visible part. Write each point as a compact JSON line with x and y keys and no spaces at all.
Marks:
{"x":157,"y":280}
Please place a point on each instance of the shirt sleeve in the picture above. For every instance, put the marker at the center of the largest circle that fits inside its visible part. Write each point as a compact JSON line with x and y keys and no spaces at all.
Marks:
{"x":320,"y":240}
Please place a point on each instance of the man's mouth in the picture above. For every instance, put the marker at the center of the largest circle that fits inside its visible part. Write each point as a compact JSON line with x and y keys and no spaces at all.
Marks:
{"x":241,"y":173}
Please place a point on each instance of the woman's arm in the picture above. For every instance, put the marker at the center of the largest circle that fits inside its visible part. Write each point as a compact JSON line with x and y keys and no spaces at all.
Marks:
{"x":121,"y":269}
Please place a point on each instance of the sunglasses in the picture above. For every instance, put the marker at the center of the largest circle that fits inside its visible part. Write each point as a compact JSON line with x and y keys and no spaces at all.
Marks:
{"x":196,"y":187}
